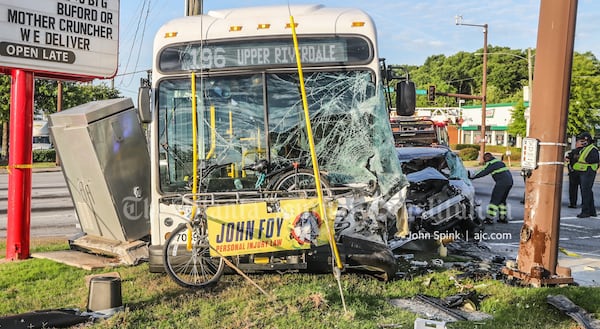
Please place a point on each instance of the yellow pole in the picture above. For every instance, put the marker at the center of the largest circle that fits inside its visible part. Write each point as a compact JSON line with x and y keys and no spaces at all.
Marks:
{"x":213,"y":132}
{"x":230,"y":125}
{"x":194,"y":160}
{"x":233,"y":173}
{"x":311,"y":143}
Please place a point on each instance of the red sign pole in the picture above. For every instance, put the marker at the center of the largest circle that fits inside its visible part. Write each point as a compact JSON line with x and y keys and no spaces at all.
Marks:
{"x":19,"y":165}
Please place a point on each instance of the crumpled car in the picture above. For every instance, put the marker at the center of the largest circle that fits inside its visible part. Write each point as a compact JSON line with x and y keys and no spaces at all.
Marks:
{"x":440,"y":200}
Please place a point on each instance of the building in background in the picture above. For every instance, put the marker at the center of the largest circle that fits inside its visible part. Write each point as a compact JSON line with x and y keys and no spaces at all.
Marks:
{"x":497,"y":119}
{"x":464,"y":123}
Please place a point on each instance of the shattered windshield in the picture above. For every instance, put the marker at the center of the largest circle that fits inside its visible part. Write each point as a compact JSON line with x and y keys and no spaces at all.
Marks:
{"x":246,"y":118}
{"x":457,"y":168}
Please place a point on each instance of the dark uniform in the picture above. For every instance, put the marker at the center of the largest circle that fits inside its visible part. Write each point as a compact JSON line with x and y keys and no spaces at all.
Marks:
{"x":504,"y":182}
{"x":586,"y":167}
{"x":572,"y":158}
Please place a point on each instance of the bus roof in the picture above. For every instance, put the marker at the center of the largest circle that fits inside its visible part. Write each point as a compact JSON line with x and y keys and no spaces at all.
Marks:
{"x":310,"y":19}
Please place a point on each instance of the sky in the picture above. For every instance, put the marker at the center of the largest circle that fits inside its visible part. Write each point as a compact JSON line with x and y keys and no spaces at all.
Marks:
{"x":409,"y":31}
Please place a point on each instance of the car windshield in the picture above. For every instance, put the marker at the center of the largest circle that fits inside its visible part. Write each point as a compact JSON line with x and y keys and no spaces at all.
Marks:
{"x":417,"y":159}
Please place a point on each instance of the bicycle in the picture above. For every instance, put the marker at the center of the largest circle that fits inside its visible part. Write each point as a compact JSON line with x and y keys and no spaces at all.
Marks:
{"x":287,"y":178}
{"x":187,"y":251}
{"x":189,"y":263}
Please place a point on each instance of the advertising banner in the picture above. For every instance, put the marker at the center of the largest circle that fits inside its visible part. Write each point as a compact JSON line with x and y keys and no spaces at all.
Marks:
{"x":258,"y":228}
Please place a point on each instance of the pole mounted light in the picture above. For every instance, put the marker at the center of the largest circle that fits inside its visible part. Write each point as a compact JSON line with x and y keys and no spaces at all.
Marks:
{"x":459,"y":21}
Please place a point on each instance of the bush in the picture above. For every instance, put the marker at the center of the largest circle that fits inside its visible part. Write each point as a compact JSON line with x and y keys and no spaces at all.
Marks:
{"x":468,"y":154}
{"x":514,"y":155}
{"x":459,"y":147}
{"x":44,"y":155}
{"x":515,"y":152}
{"x":498,"y":150}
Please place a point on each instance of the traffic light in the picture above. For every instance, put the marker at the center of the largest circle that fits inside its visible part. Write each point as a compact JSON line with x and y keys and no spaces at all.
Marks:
{"x":431,"y":93}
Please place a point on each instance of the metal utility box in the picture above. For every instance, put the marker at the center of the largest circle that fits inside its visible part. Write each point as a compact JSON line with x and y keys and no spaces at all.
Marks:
{"x":105,"y":161}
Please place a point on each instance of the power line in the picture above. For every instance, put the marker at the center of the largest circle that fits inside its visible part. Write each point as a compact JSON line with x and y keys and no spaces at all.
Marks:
{"x":145,"y":4}
{"x":130,"y":73}
{"x":141,"y":40}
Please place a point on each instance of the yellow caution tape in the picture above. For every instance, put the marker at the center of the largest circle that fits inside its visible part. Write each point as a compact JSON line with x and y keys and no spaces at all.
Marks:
{"x":568,"y":253}
{"x":17,"y":166}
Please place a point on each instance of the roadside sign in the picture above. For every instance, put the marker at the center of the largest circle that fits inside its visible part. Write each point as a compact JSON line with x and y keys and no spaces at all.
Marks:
{"x":421,"y":92}
{"x":77,"y":39}
{"x":529,"y":153}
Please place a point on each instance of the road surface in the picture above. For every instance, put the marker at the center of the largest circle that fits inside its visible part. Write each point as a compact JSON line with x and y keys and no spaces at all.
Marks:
{"x":52,"y":214}
{"x":576,"y":235}
{"x":52,"y":211}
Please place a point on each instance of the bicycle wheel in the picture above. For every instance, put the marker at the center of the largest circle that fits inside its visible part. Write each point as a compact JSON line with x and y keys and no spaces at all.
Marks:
{"x":193,"y":268}
{"x":302,"y":179}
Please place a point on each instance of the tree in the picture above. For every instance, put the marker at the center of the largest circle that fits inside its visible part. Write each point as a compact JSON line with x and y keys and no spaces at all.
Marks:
{"x":73,"y":94}
{"x":507,"y":74}
{"x":45,"y":99}
{"x":507,"y":70}
{"x":584,"y":103}
{"x":4,"y":112}
{"x":518,"y":124}
{"x":462,"y":73}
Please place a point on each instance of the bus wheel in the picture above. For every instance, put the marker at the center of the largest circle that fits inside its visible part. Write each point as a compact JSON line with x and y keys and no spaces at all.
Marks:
{"x":191,"y":267}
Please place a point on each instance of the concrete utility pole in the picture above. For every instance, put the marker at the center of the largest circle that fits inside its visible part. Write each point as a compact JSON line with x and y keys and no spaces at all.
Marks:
{"x":483,"y":84}
{"x":538,"y":249}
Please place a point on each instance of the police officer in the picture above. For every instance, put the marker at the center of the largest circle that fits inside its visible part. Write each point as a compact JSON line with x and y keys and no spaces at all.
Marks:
{"x":504,"y":182}
{"x":571,"y":159}
{"x":586,"y":167}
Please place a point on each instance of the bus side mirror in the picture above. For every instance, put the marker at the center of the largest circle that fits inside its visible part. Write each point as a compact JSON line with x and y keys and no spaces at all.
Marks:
{"x":406,"y":98}
{"x":144,"y":104}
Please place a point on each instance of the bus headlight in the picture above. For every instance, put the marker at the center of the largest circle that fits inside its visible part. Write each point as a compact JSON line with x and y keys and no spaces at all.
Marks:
{"x":168,"y":221}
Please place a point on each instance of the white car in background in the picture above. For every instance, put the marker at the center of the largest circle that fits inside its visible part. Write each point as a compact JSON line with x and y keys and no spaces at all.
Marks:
{"x":42,"y":143}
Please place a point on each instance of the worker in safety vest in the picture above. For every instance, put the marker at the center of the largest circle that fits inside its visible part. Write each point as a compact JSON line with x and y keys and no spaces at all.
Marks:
{"x":586,"y":166}
{"x":571,"y":159}
{"x":504,"y":182}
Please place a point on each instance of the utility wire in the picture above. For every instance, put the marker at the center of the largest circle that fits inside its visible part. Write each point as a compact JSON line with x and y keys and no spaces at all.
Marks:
{"x":130,"y":73}
{"x":141,"y":40}
{"x":132,"y":44}
{"x":146,"y":5}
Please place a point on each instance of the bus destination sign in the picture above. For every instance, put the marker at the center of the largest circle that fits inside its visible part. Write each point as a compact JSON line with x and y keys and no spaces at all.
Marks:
{"x":75,"y":39}
{"x":266,"y":53}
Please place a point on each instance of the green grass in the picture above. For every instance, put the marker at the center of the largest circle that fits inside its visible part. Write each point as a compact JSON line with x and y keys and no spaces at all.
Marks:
{"x":299,"y":300}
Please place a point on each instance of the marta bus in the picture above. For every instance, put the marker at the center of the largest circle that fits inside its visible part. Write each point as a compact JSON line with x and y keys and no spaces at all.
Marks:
{"x":229,"y":82}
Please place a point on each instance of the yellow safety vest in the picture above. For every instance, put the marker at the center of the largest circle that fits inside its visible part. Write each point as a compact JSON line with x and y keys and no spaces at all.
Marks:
{"x":487,"y":164}
{"x":499,"y":170}
{"x":581,"y":165}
